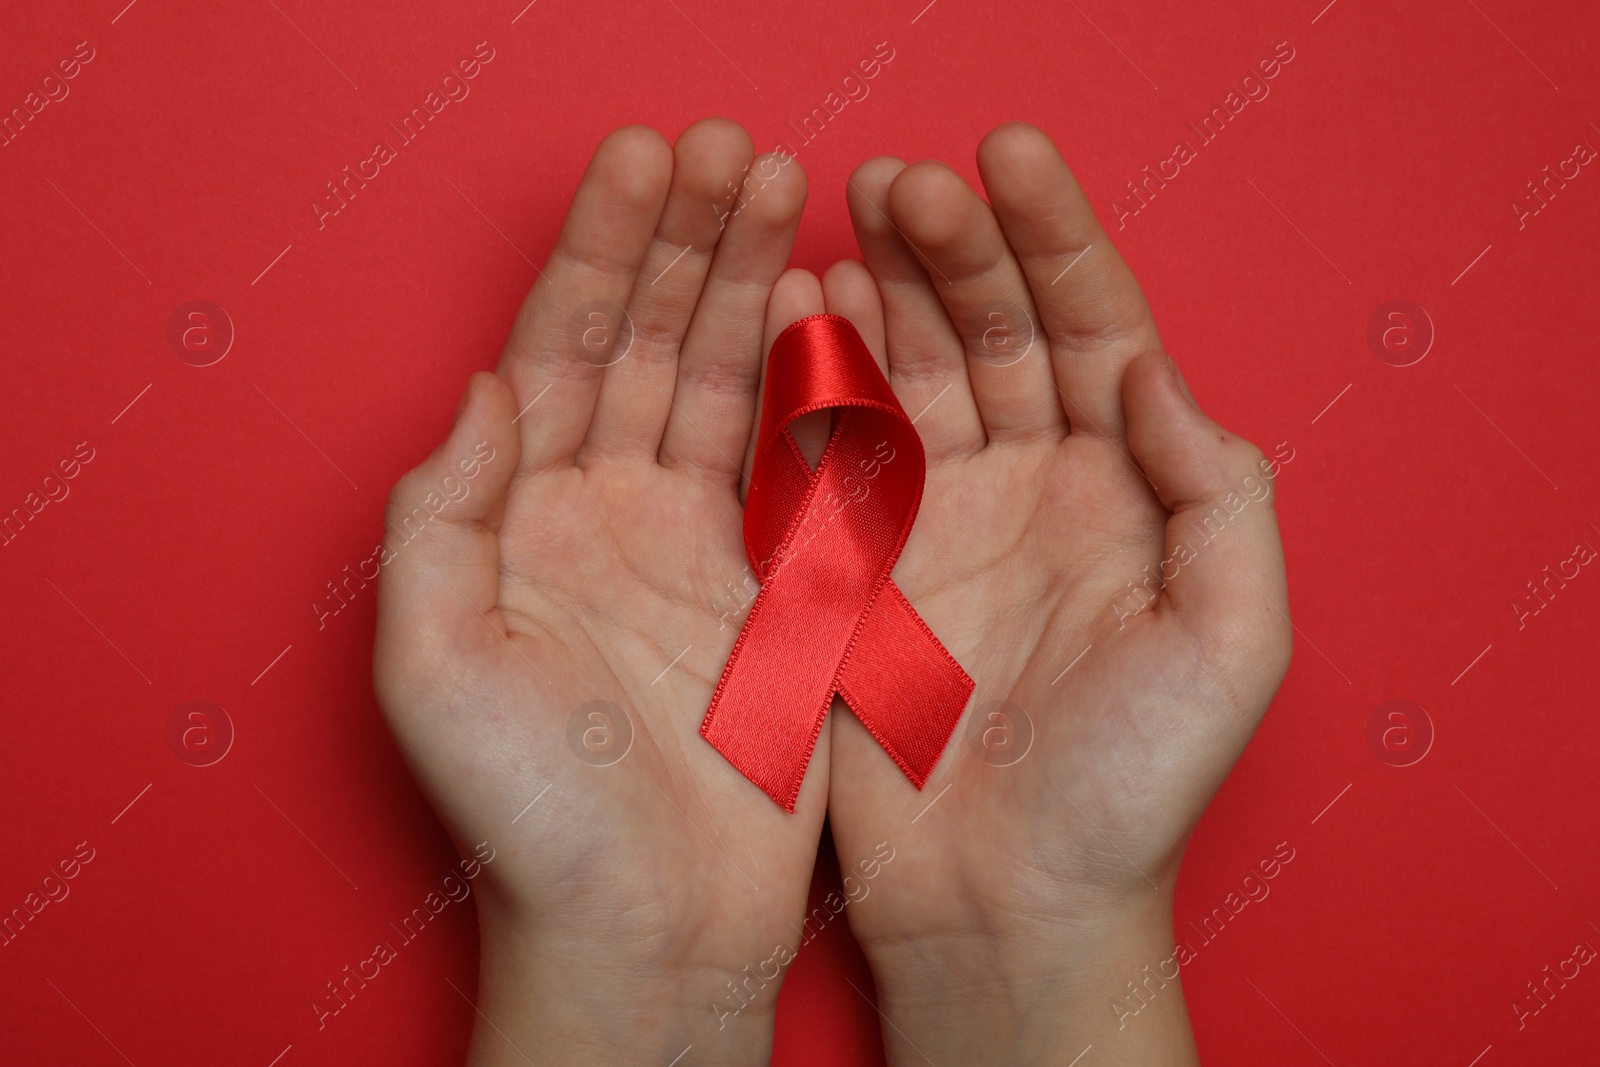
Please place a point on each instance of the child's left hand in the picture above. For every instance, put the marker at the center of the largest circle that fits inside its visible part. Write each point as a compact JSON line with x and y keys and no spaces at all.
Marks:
{"x":591,"y":559}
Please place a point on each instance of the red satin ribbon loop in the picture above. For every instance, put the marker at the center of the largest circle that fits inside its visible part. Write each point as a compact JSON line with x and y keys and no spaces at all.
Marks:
{"x":828,"y":619}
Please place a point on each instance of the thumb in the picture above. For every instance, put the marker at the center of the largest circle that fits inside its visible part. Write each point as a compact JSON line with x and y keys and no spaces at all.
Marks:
{"x":1222,"y":569}
{"x":440,"y":556}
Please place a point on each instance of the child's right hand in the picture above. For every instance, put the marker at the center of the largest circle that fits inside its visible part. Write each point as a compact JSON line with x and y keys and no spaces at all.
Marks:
{"x":1069,"y":473}
{"x":592,"y":559}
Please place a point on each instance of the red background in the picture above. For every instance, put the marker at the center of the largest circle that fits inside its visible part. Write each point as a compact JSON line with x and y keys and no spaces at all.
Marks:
{"x":1382,"y":166}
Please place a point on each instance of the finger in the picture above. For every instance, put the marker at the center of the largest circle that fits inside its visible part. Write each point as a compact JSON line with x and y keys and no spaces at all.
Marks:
{"x":986,"y":297}
{"x":1222,"y":570}
{"x":1092,"y":309}
{"x":796,"y":294}
{"x":927,"y":367}
{"x":719,"y":373}
{"x":569,"y":324}
{"x":848,"y":290}
{"x":635,"y":399}
{"x":440,"y":558}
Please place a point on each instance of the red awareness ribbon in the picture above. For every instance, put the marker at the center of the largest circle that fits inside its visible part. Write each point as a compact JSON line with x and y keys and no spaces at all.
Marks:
{"x":822,"y":543}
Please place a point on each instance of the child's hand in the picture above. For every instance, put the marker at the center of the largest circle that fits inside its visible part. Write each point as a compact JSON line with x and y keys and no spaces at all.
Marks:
{"x":592,"y":558}
{"x":1066,"y":467}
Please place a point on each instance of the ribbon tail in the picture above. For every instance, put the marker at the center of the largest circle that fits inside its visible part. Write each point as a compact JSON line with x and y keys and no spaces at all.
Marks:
{"x":778,"y":684}
{"x":904,"y":686}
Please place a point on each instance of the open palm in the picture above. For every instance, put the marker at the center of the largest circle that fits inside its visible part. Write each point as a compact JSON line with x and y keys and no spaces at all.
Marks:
{"x":1066,"y":467}
{"x":548,"y":644}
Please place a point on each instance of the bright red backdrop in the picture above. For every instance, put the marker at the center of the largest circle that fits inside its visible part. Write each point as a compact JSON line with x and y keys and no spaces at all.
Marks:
{"x":182,"y":566}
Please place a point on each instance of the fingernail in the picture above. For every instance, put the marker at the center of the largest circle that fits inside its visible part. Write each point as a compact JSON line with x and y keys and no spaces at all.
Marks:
{"x":1183,"y":386}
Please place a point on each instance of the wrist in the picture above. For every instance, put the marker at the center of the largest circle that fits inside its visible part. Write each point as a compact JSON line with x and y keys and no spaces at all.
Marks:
{"x":550,"y":997}
{"x":1039,"y":990}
